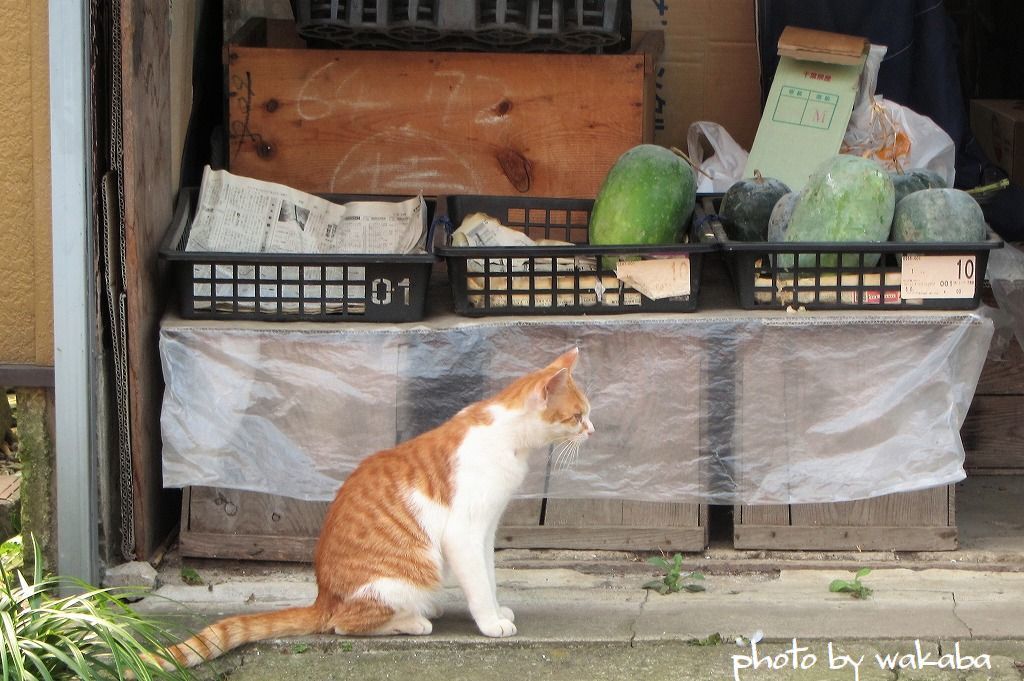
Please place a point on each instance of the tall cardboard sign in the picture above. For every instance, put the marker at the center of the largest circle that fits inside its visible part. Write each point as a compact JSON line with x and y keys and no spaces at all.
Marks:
{"x":809,"y":104}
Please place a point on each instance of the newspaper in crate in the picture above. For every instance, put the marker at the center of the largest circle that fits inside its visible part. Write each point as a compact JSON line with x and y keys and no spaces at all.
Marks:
{"x":479,"y":230}
{"x":243,"y":215}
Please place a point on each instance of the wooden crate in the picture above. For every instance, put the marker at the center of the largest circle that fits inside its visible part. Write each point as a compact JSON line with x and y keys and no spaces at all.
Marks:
{"x":910,"y":521}
{"x":778,"y":406}
{"x":993,"y":433}
{"x":593,"y":524}
{"x":360,"y":121}
{"x":223,"y":523}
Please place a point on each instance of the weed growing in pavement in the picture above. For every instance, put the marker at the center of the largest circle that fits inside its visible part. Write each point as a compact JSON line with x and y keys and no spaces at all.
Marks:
{"x":854,"y":586}
{"x":675,"y":579}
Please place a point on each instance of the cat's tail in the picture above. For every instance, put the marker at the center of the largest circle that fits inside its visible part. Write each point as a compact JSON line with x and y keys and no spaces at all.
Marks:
{"x":231,"y":632}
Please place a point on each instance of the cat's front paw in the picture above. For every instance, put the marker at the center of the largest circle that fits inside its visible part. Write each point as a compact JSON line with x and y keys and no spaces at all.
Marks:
{"x":499,"y":628}
{"x":506,"y":613}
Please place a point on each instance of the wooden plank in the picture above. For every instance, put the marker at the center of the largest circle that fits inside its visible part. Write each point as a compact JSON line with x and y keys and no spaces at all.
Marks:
{"x":768,"y":514}
{"x":10,"y":486}
{"x":26,"y":376}
{"x":148,"y":200}
{"x":583,"y":513}
{"x":661,"y":514}
{"x":603,"y":538}
{"x":1005,"y":375}
{"x":845,"y":538}
{"x":923,"y":520}
{"x":232,"y":512}
{"x":438,"y":122}
{"x":523,"y":512}
{"x":924,"y":508}
{"x":246,"y":547}
{"x":616,"y":513}
{"x":993,"y":433}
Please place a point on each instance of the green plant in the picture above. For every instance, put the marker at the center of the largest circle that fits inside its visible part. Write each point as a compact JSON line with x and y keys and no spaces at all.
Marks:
{"x":675,"y":579}
{"x":854,"y":586}
{"x":89,"y":635}
{"x":190,"y":576}
{"x":11,"y":557}
{"x":714,"y":639}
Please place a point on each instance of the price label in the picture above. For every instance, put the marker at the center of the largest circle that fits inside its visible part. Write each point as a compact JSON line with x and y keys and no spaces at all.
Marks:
{"x":938,"y":276}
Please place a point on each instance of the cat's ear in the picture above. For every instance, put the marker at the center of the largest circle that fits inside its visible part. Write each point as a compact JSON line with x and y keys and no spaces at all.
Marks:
{"x":548,"y":386}
{"x":567,"y":360}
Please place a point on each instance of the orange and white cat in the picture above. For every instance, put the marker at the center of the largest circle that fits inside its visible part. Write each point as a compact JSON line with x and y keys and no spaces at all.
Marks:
{"x":407,"y":515}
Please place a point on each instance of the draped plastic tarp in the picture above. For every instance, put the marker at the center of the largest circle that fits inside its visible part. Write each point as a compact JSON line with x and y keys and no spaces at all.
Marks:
{"x":721,"y":408}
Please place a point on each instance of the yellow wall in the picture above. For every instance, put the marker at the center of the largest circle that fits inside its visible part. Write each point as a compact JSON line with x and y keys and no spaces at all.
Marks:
{"x":26,"y":293}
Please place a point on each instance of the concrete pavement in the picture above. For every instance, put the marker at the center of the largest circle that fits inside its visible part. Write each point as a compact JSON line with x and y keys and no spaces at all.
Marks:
{"x":589,"y":618}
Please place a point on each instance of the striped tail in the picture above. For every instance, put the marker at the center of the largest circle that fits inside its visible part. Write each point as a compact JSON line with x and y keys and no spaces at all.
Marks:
{"x":231,"y":632}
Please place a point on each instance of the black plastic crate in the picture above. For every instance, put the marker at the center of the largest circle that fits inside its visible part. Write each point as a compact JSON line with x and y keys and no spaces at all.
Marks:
{"x":572,"y":26}
{"x":831,"y":276}
{"x":296,"y":287}
{"x":549,"y":280}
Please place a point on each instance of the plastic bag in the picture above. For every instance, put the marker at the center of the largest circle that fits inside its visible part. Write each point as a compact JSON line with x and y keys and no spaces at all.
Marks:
{"x":1006,"y":274}
{"x":725,"y":166}
{"x":895,"y":136}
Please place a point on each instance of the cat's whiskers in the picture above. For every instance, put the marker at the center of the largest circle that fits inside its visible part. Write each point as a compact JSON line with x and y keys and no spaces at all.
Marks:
{"x":567,"y":452}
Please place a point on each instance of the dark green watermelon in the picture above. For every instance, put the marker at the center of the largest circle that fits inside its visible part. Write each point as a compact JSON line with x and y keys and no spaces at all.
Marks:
{"x":747,"y":205}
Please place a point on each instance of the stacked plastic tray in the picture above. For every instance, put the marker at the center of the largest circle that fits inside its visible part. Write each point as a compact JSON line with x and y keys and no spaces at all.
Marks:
{"x":572,"y":26}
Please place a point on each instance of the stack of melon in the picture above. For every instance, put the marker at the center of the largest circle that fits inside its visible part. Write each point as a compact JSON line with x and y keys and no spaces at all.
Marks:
{"x":852,"y":199}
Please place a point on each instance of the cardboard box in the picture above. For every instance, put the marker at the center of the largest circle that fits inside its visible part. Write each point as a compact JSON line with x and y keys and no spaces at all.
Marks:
{"x":709,"y":69}
{"x":998,"y":125}
{"x":809,"y":105}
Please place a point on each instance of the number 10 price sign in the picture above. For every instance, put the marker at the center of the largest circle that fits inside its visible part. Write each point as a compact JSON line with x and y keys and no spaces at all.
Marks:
{"x":938,"y":276}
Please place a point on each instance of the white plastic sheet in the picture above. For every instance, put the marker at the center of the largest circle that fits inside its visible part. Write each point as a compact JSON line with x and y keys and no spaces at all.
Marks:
{"x":717,"y":407}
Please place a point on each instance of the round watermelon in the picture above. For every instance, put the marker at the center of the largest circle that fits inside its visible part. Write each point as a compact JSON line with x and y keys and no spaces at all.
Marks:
{"x":948,"y":215}
{"x":747,"y":205}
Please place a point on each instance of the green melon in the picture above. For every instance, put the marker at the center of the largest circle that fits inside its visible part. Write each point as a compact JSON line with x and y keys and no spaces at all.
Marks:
{"x":846,"y":199}
{"x":948,"y":215}
{"x":646,"y":198}
{"x":914,"y":181}
{"x":747,"y":205}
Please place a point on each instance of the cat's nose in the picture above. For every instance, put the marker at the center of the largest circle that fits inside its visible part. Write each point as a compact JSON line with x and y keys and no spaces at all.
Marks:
{"x":589,"y":425}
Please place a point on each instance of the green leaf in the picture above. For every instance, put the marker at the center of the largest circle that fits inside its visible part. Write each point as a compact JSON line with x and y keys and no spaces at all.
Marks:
{"x":190,"y":576}
{"x":863,"y":572}
{"x":840,"y":585}
{"x":693,"y":588}
{"x":711,"y":640}
{"x":300,"y":648}
{"x":657,"y":585}
{"x":658,"y":561}
{"x":696,"y":575}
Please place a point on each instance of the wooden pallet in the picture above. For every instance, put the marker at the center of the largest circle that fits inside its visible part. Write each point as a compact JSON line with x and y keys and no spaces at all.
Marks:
{"x":223,"y":523}
{"x":909,"y":521}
